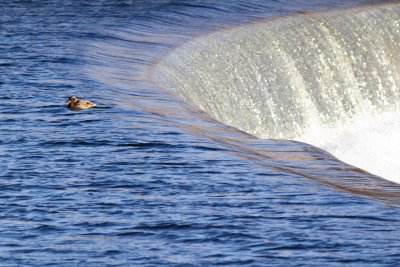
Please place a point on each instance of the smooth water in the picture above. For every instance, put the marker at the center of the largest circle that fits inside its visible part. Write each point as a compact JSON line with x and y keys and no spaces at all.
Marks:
{"x":145,"y":179}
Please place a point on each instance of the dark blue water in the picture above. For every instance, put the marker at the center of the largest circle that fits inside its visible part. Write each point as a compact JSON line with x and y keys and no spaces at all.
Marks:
{"x":145,"y":179}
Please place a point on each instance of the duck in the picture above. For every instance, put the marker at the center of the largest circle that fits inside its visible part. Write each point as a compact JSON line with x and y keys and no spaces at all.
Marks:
{"x":75,"y":103}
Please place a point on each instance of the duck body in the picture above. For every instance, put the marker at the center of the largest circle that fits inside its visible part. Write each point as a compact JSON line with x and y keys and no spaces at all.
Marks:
{"x":75,"y":103}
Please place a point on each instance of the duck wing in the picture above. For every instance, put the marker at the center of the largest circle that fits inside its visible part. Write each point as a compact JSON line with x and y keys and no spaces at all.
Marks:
{"x":86,"y":103}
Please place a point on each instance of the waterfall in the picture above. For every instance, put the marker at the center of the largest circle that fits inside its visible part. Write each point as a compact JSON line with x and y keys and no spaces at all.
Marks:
{"x":301,"y":77}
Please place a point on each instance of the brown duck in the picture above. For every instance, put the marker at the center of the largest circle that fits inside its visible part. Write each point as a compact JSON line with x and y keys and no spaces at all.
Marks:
{"x":74,"y":102}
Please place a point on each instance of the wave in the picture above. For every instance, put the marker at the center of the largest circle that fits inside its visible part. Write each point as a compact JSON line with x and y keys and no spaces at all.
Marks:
{"x":316,"y":78}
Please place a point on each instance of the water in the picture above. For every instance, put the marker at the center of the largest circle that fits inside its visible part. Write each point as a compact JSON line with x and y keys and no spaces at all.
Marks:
{"x":145,"y":179}
{"x":300,"y":78}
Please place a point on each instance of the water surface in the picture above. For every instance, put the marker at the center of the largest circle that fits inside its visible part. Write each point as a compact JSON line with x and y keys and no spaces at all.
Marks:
{"x":147,"y":179}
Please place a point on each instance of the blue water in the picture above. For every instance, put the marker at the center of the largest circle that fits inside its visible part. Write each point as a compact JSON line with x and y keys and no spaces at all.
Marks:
{"x":145,"y":179}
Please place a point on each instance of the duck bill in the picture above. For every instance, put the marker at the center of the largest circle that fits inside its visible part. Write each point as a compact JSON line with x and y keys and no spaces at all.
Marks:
{"x":68,"y":101}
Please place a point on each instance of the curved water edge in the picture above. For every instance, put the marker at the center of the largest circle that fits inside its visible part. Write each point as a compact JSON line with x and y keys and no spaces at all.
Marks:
{"x":303,"y":78}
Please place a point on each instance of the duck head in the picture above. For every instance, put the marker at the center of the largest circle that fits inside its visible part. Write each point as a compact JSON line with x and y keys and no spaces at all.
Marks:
{"x":72,"y":99}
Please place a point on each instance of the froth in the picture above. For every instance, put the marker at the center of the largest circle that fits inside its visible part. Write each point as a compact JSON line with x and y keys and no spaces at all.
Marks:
{"x":368,"y":141}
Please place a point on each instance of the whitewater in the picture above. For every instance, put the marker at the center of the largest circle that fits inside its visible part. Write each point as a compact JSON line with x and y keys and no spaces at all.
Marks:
{"x":329,"y":79}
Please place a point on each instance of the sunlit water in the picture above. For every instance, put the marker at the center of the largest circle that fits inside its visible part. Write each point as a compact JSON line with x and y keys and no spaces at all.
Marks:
{"x":145,"y":179}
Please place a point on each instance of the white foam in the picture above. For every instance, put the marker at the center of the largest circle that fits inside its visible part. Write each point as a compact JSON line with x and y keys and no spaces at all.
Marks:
{"x":370,"y":142}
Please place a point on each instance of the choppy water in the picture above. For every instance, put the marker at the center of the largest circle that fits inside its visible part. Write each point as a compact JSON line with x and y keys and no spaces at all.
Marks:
{"x":147,"y":179}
